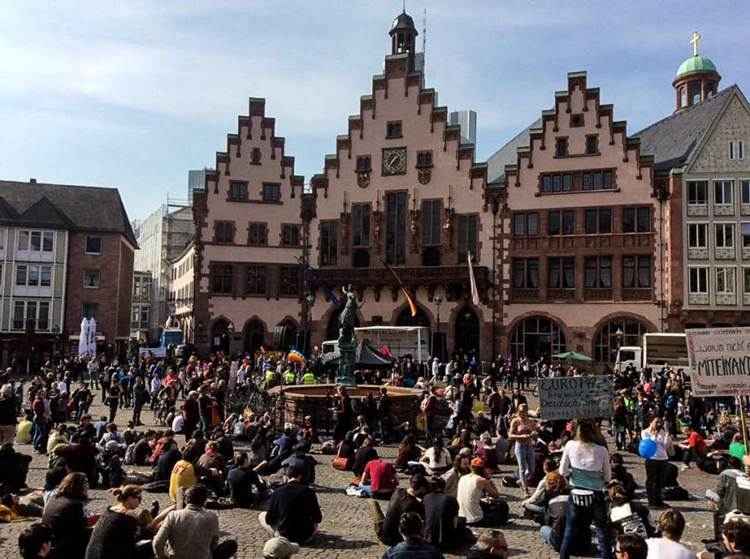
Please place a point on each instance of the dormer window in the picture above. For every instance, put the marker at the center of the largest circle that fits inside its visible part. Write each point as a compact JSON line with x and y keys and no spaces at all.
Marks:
{"x":561,"y":147}
{"x":255,"y":156}
{"x":393,"y":129}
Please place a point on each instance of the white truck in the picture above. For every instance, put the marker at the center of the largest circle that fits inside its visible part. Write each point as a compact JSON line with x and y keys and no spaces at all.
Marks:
{"x":657,"y":350}
{"x":169,"y":337}
{"x":400,"y":340}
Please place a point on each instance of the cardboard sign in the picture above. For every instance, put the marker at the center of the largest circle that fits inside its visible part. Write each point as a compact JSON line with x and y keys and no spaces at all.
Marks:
{"x":575,"y":397}
{"x":719,"y":361}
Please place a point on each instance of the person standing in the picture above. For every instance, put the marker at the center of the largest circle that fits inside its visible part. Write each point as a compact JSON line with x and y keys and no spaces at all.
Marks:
{"x":522,"y":431}
{"x":344,"y":414}
{"x":656,"y":465}
{"x":8,"y":414}
{"x":140,"y":397}
{"x":113,"y":400}
{"x":40,"y":407}
{"x":585,"y":463}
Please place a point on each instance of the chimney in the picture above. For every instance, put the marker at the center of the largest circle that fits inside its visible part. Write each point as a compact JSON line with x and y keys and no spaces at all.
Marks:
{"x":32,"y":180}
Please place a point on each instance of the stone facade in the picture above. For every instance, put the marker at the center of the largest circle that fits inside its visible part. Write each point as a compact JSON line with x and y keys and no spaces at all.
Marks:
{"x":248,"y":241}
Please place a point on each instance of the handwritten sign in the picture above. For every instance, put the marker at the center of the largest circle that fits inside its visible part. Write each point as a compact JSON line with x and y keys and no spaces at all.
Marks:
{"x":575,"y":397}
{"x":719,"y":361}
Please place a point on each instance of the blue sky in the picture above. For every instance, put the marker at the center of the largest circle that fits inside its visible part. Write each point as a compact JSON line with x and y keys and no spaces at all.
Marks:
{"x":133,"y":94}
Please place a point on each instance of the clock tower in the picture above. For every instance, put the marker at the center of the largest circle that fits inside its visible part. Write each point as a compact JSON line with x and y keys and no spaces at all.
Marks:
{"x":404,"y":37}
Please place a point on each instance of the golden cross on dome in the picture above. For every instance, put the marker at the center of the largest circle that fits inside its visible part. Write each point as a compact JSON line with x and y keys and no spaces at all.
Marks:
{"x":695,"y":41}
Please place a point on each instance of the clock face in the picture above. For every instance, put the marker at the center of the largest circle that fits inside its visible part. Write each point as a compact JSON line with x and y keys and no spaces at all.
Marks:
{"x":394,"y":161}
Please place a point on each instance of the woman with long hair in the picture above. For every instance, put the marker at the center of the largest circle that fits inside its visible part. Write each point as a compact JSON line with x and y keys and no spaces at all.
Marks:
{"x":585,"y":462}
{"x":65,"y":513}
{"x":523,"y":432}
{"x":436,"y":459}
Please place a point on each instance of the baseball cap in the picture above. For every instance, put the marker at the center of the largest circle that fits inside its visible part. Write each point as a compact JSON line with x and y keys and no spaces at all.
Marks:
{"x":477,"y":463}
{"x":279,"y":548}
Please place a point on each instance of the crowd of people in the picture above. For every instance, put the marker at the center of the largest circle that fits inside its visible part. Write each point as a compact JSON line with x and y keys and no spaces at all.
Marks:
{"x":443,"y":492}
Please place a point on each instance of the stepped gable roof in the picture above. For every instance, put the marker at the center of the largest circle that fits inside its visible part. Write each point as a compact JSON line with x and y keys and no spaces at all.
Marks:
{"x":84,"y":208}
{"x":508,"y":154}
{"x":673,"y":139}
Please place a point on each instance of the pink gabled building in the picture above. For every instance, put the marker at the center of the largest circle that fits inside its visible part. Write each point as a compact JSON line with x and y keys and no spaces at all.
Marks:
{"x":249,"y":242}
{"x":402,"y":188}
{"x":581,"y":260}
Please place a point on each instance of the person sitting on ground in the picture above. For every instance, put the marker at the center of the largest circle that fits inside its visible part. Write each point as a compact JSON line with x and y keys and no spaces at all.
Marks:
{"x":14,"y":467}
{"x":436,"y":459}
{"x":119,"y":529}
{"x":164,"y":466}
{"x":195,"y":447}
{"x":410,"y":528}
{"x":735,"y":541}
{"x":23,"y":429}
{"x":553,"y":485}
{"x":56,"y":437}
{"x":211,"y":467}
{"x":379,"y":479}
{"x":489,"y":546}
{"x":671,"y":524}
{"x":35,"y":542}
{"x":639,"y":513}
{"x":192,"y":531}
{"x":408,"y":451}
{"x":112,"y":435}
{"x":621,"y":474}
{"x":631,"y":546}
{"x":182,"y":478}
{"x":402,"y":501}
{"x":485,"y":450}
{"x":364,"y":454}
{"x":293,"y":511}
{"x":304,"y":460}
{"x":472,"y":488}
{"x":65,"y":514}
{"x":142,"y":449}
{"x":443,"y":528}
{"x":461,"y":467}
{"x":241,"y":479}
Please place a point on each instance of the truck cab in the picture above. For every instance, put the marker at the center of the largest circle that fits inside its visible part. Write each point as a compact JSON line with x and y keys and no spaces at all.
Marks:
{"x":628,"y":356}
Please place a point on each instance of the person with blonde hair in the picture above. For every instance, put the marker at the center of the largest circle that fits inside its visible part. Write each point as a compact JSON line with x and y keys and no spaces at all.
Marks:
{"x":522,"y":432}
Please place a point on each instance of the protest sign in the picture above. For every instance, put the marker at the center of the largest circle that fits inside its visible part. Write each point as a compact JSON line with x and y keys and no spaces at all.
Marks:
{"x":719,"y":361}
{"x":571,"y":397}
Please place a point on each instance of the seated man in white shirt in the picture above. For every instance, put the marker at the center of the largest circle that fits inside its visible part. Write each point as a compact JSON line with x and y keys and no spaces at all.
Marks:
{"x":672,"y":525}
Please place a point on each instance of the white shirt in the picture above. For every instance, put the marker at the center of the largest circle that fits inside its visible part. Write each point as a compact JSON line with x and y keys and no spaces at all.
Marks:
{"x":469,"y":498}
{"x":585,"y":456}
{"x":662,"y":548}
{"x":432,"y":464}
{"x":663,"y":442}
{"x":178,"y":423}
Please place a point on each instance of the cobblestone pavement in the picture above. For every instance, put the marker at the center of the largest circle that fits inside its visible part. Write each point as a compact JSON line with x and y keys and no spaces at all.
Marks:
{"x":347,"y":529}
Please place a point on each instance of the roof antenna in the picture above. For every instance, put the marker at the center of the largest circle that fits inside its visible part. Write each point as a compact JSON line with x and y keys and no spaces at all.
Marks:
{"x":404,"y":11}
{"x":424,"y":41}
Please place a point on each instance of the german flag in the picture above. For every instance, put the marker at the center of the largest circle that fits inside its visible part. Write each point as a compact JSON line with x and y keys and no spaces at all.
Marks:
{"x":412,"y":304}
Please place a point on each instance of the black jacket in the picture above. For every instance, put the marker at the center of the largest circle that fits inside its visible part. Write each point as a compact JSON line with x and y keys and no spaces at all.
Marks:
{"x":294,"y":511}
{"x":66,"y":517}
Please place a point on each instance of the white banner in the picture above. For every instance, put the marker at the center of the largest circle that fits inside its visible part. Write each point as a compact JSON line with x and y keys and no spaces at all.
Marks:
{"x":575,"y":397}
{"x":719,"y":361}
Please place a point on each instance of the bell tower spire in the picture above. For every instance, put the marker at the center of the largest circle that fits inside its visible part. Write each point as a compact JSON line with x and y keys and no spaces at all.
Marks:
{"x":404,"y":37}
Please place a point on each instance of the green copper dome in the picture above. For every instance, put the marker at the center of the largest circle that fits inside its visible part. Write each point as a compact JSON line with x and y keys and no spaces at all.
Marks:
{"x":696,"y":63}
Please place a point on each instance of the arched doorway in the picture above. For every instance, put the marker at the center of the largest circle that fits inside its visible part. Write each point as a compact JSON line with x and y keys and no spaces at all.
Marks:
{"x":617,"y":332}
{"x":466,"y":332}
{"x":405,"y":318}
{"x":220,"y":335}
{"x":332,"y":328}
{"x":285,"y":335}
{"x":535,"y":337}
{"x":253,"y":336}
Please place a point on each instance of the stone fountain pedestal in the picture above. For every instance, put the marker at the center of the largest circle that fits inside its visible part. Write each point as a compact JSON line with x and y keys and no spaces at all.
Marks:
{"x":317,"y":401}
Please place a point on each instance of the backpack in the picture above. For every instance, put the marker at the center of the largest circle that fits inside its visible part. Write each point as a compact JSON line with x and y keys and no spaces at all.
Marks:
{"x":129,"y":459}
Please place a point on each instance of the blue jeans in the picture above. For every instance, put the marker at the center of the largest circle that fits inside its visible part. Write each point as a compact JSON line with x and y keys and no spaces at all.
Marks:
{"x":366,"y":490}
{"x":525,"y":458}
{"x":596,"y":515}
{"x":40,"y":435}
{"x":548,"y":535}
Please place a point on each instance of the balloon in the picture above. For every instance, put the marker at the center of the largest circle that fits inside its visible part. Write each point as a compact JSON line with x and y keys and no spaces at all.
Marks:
{"x":295,"y":357}
{"x":647,"y":448}
{"x":737,"y":450}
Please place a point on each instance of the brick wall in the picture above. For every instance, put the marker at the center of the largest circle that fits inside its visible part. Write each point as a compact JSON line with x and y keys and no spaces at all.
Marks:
{"x":115,"y":265}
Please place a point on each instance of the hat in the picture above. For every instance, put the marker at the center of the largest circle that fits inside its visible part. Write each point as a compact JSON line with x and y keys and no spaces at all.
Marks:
{"x":477,"y":462}
{"x":279,"y":548}
{"x":465,"y":451}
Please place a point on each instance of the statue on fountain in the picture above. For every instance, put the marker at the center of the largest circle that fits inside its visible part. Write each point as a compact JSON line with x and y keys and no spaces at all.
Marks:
{"x":347,"y":341}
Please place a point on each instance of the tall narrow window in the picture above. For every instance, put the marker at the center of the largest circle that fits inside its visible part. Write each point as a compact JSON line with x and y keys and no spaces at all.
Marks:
{"x":723,"y":192}
{"x":746,"y":191}
{"x":328,"y":243}
{"x":432,"y":212}
{"x":395,"y":228}
{"x":360,"y":225}
{"x":257,"y":234}
{"x":598,"y":272}
{"x":745,"y":235}
{"x":592,"y":145}
{"x":19,"y":308}
{"x":698,"y":280}
{"x":290,"y":236}
{"x":697,"y":233}
{"x":561,"y":147}
{"x":561,"y":272}
{"x":525,"y":273}
{"x":636,"y":272}
{"x":42,"y":322}
{"x":724,"y":235}
{"x":725,"y":280}
{"x":468,"y":226}
{"x":697,"y":193}
{"x":47,"y":241}
{"x":222,"y":278}
{"x":22,"y":271}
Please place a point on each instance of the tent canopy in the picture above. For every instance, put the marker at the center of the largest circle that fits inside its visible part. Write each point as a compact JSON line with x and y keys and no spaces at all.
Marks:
{"x":572,"y":356}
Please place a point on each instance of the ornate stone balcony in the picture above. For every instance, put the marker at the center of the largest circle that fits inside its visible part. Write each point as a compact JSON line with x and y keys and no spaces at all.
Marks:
{"x":610,"y":241}
{"x":697,"y":210}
